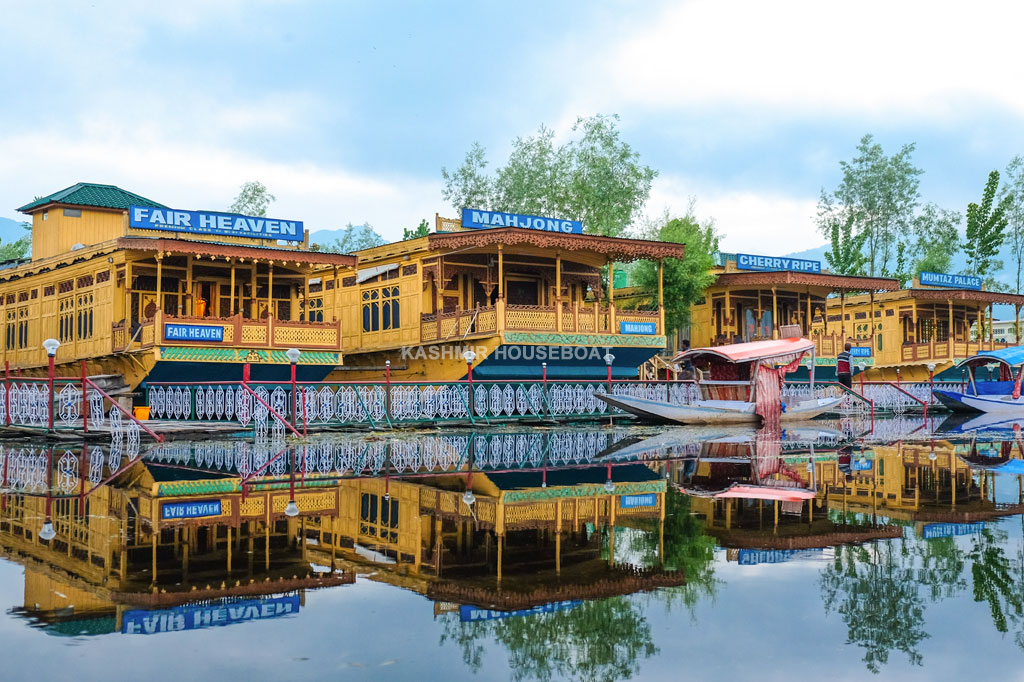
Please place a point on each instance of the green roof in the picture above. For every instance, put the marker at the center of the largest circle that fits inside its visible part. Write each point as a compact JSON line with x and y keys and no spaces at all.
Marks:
{"x":91,"y":194}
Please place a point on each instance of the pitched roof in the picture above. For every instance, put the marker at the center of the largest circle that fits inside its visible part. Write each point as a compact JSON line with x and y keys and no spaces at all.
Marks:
{"x":91,"y":194}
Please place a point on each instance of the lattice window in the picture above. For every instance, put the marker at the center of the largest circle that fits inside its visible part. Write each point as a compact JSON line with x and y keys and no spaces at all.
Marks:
{"x":313,"y":309}
{"x":381,"y":309}
{"x":84,"y":316}
{"x":12,"y":325}
{"x":66,"y":319}
{"x":378,"y":517}
{"x":23,"y":327}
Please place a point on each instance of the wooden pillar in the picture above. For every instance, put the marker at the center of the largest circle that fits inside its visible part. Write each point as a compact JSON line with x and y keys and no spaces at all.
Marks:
{"x":254,"y":313}
{"x":558,"y":291}
{"x":842,"y":319}
{"x":871,"y":319}
{"x":807,"y":327}
{"x":611,"y":297}
{"x":334,"y":295}
{"x":726,"y":316}
{"x":951,"y":336}
{"x":270,"y":290}
{"x":159,"y":283}
{"x":501,"y":551}
{"x":266,"y":542}
{"x":661,"y":297}
{"x":184,"y":556}
{"x":190,"y":305}
{"x":231,"y":301}
{"x":775,"y":314}
{"x":501,"y":273}
{"x":760,"y":312}
{"x":558,"y":537}
{"x":991,"y":327}
{"x":156,"y":535}
{"x":229,"y":550}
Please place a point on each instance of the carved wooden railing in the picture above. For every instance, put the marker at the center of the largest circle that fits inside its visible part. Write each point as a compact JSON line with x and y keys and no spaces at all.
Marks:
{"x":237,"y":332}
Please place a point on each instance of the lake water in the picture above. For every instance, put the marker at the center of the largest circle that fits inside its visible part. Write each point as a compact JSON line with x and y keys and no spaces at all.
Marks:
{"x":843,"y":549}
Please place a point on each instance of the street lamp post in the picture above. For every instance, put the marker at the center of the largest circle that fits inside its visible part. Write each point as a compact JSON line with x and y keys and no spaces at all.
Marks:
{"x":51,"y":346}
{"x":469,"y":357}
{"x":291,"y":510}
{"x":608,"y":360}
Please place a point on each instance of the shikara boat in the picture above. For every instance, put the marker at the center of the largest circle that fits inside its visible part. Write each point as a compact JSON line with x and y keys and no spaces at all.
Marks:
{"x":743,"y":386}
{"x":1002,"y":396}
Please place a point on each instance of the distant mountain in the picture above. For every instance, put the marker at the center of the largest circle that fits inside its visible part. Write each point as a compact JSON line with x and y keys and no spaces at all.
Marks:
{"x":11,"y":230}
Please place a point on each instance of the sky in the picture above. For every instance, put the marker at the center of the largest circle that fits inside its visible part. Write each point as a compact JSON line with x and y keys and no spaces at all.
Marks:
{"x":348,"y":111}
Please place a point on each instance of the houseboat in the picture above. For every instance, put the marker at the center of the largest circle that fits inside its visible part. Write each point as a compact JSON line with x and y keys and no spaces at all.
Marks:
{"x":150,"y":293}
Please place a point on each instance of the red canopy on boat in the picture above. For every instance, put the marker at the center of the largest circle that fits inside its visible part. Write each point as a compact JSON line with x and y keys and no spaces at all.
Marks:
{"x":755,"y":350}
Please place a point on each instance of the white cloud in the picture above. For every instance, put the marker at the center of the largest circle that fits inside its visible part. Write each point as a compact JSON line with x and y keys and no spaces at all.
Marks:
{"x":749,"y":221}
{"x":876,"y":57}
{"x":205,"y":177}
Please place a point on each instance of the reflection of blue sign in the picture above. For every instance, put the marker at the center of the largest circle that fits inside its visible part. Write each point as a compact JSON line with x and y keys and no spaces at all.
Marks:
{"x":746,"y":261}
{"x":752,"y":557}
{"x":941,"y":279}
{"x":858,"y":465}
{"x":948,"y":530}
{"x":469,"y":613}
{"x":646,"y":328}
{"x":213,"y":222}
{"x":197,"y":617}
{"x":637,"y":501}
{"x":189,"y":510}
{"x":472,"y":217}
{"x":860,"y":351}
{"x":193,"y":332}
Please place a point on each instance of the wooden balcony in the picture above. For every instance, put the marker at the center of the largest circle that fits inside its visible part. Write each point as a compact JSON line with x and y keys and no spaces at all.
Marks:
{"x":229,"y":332}
{"x":586,"y":319}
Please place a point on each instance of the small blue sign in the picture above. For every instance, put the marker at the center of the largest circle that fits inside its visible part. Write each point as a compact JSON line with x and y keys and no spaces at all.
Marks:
{"x":949,"y":530}
{"x":752,"y":557}
{"x":941,"y":279}
{"x":857,"y":465}
{"x":198,"y":617}
{"x":469,"y":614}
{"x":637,"y":501}
{"x":214,"y":222}
{"x":746,"y":261}
{"x":645,"y":328}
{"x":473,"y":217}
{"x":860,"y":351}
{"x":172,"y":511}
{"x":193,"y":332}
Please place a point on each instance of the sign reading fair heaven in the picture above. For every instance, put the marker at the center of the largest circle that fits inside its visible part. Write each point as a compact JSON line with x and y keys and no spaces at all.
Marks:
{"x":941,"y":279}
{"x":213,"y":222}
{"x":746,"y":261}
{"x":473,"y":217}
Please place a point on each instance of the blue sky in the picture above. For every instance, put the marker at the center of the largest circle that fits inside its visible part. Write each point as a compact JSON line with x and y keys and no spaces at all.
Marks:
{"x":348,"y":111}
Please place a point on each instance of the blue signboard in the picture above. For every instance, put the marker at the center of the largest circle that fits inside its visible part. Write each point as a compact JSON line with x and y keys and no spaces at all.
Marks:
{"x":746,"y":261}
{"x":752,"y":557}
{"x":857,"y":465}
{"x":193,"y":332}
{"x":468,"y":614}
{"x":860,"y":351}
{"x":214,"y":222}
{"x":636,"y":501}
{"x":941,"y":279}
{"x":472,"y":217}
{"x":645,"y":328}
{"x":948,"y":530}
{"x":172,"y":511}
{"x":197,"y":617}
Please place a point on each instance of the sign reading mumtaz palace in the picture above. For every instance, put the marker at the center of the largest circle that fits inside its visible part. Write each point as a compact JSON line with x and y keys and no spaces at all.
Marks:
{"x":941,"y":279}
{"x":472,"y":217}
{"x":212,"y":222}
{"x":746,"y":261}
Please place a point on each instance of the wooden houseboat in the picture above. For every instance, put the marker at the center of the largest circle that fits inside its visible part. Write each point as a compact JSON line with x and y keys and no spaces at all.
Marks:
{"x":162,"y":303}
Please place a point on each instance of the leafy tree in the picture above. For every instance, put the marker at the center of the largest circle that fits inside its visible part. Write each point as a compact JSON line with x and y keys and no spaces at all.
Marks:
{"x":996,"y":580}
{"x":846,"y":255}
{"x":595,"y":177}
{"x":879,"y":193}
{"x":937,"y":238}
{"x":684,"y":280}
{"x":1014,"y":187}
{"x":986,"y":225}
{"x":19,"y":248}
{"x":354,"y":238}
{"x":253,"y":199}
{"x":422,"y":230}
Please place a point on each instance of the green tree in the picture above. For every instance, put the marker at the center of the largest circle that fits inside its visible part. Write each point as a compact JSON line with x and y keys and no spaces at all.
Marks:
{"x":422,"y":230}
{"x":353,"y":238}
{"x":1014,"y":187}
{"x":253,"y":199}
{"x":936,"y":238}
{"x":19,"y":248}
{"x":846,"y":253}
{"x":986,"y":226}
{"x":595,"y":177}
{"x":879,"y":193}
{"x":684,"y":280}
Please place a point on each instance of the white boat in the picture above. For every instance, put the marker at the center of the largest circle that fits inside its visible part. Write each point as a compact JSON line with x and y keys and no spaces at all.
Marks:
{"x":997,"y":397}
{"x":742,"y":388}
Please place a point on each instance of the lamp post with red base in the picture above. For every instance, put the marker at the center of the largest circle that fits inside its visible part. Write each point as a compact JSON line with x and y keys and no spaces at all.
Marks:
{"x":51,"y":346}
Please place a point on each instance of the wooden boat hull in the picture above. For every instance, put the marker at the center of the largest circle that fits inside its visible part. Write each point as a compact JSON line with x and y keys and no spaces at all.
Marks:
{"x":713,"y":411}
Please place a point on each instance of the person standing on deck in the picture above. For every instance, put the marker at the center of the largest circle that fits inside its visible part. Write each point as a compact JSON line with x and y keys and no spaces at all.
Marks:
{"x":844,"y":367}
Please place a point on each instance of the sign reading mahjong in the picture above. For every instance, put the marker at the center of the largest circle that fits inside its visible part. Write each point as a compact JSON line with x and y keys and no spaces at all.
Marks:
{"x":746,"y":261}
{"x":942,"y":279}
{"x":214,"y":222}
{"x":474,"y":217}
